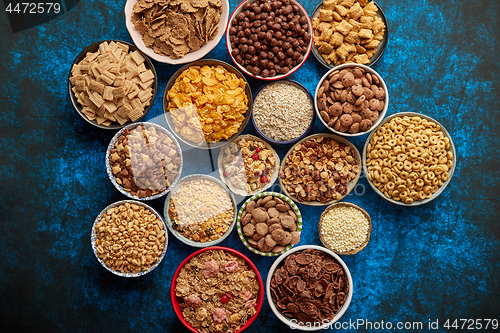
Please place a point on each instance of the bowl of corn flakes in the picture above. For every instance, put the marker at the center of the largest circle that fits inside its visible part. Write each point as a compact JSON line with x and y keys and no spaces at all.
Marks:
{"x":200,"y":211}
{"x":217,"y":289}
{"x":207,"y":103}
{"x":355,"y":31}
{"x":177,"y":31}
{"x":248,"y":165}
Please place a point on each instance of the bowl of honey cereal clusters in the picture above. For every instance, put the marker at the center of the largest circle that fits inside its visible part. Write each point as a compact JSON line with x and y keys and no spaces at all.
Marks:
{"x":269,"y":224}
{"x":144,"y":161}
{"x":320,"y":169}
{"x":129,"y":238}
{"x":200,"y":211}
{"x":112,"y":84}
{"x":217,"y":289}
{"x":207,"y":103}
{"x":309,"y":288}
{"x":176,"y":31}
{"x":349,"y":31}
{"x":248,"y":165}
{"x":409,"y":159}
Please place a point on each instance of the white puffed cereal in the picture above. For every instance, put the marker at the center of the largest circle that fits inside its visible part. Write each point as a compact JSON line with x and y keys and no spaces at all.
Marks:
{"x":344,"y":228}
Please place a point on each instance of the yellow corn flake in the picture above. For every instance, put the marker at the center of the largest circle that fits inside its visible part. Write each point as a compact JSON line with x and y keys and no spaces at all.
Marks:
{"x":207,"y":104}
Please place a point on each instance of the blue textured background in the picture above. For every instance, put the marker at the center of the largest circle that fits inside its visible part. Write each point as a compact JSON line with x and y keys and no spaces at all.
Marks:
{"x":436,"y":261}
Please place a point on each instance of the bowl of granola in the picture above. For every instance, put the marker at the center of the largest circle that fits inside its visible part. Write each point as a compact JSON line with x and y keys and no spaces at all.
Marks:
{"x":217,"y":289}
{"x":320,"y":170}
{"x":248,"y":165}
{"x":269,"y":224}
{"x":200,"y":211}
{"x":309,"y":288}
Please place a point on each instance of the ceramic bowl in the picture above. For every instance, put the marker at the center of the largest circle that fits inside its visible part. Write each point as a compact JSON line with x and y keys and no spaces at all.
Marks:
{"x":78,"y":107}
{"x":175,"y":299}
{"x":350,"y":185}
{"x":190,"y":57}
{"x":225,"y":179}
{"x":451,"y":171}
{"x":201,"y":63}
{"x":294,"y":324}
{"x":239,"y":226}
{"x":109,"y":170}
{"x":381,"y":114}
{"x":380,"y":48}
{"x":180,"y":236}
{"x":93,"y":238}
{"x":300,"y":137}
{"x":238,"y":10}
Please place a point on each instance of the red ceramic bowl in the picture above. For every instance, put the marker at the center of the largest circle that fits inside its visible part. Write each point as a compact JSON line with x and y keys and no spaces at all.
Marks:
{"x":175,"y":303}
{"x":239,"y":9}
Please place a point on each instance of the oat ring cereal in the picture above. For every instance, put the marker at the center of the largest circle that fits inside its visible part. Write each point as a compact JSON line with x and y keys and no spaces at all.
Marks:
{"x":217,"y":291}
{"x":409,"y":158}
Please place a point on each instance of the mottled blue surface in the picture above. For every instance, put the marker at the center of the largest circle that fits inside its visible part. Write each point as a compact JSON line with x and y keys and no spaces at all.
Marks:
{"x":433,"y":262}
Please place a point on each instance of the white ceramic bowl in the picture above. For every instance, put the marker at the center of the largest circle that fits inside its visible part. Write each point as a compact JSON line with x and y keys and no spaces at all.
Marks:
{"x":176,"y":233}
{"x":287,"y":321}
{"x":381,"y":114}
{"x":112,"y":177}
{"x":302,"y":12}
{"x":450,"y":172}
{"x":193,"y":56}
{"x":93,"y":238}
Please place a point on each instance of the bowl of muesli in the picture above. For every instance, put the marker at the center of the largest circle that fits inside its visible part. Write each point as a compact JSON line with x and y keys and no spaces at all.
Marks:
{"x":200,"y":211}
{"x":248,"y":165}
{"x":217,"y":289}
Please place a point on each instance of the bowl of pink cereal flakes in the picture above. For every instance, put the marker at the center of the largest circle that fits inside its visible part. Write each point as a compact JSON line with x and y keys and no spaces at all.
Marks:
{"x":217,"y":289}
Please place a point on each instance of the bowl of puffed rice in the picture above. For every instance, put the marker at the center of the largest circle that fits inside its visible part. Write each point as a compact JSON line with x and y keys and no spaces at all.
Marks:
{"x":217,"y":289}
{"x":200,"y":211}
{"x":409,"y":159}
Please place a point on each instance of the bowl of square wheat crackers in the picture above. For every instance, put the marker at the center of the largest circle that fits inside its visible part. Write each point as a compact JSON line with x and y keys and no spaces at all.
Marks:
{"x":176,"y":31}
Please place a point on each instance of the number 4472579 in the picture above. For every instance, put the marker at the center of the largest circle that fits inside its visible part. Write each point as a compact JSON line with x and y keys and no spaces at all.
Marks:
{"x":33,"y":8}
{"x":471,"y":324}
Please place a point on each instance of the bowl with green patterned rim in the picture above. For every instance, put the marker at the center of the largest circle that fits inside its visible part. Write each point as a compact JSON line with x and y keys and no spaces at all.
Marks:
{"x":286,"y":210}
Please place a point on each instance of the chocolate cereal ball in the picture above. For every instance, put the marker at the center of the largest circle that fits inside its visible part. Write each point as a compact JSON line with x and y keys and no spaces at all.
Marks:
{"x":269,"y":37}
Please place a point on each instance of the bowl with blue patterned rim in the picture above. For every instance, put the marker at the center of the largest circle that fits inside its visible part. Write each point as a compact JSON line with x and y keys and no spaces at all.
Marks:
{"x":158,"y":154}
{"x":158,"y":244}
{"x":293,"y":212}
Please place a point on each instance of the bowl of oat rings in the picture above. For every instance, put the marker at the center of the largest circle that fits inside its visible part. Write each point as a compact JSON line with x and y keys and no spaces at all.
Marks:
{"x":409,"y":159}
{"x":217,"y":289}
{"x":269,"y":224}
{"x":129,"y":238}
{"x":144,"y":161}
{"x":200,"y":211}
{"x":320,"y":169}
{"x":309,"y":288}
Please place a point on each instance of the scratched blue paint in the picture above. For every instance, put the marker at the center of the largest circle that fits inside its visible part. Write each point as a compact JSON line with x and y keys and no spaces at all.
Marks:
{"x":436,"y":261}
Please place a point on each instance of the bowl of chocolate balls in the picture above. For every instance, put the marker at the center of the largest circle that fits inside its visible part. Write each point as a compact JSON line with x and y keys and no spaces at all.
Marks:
{"x":269,"y":39}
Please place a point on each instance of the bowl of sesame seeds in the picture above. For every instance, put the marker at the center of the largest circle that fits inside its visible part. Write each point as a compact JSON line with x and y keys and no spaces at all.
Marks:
{"x":344,"y":228}
{"x":283,"y":112}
